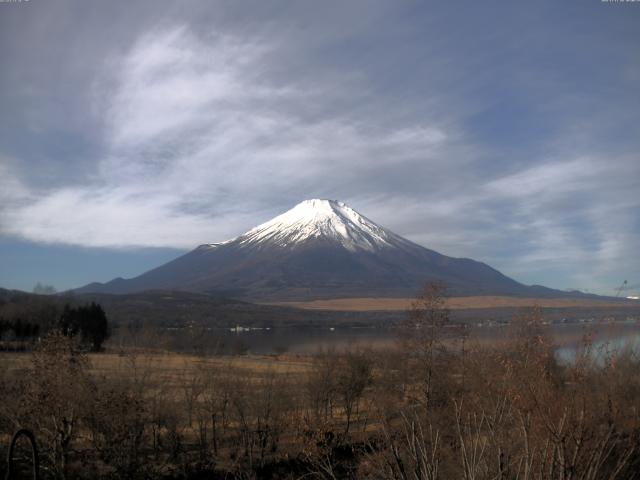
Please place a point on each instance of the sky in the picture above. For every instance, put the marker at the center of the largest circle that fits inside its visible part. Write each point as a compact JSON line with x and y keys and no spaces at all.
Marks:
{"x":507,"y":132}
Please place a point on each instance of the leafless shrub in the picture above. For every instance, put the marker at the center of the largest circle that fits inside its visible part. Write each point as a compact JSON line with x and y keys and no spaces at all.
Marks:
{"x":321,"y":388}
{"x":409,"y":451}
{"x":421,"y":336}
{"x":353,"y":376}
{"x":55,"y":396}
{"x":117,"y":423}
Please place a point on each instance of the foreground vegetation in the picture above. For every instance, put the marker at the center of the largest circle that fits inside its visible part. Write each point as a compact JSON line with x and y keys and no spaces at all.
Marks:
{"x":430,"y":409}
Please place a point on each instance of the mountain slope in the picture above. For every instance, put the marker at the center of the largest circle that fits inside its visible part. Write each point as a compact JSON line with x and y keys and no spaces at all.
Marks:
{"x":318,"y":249}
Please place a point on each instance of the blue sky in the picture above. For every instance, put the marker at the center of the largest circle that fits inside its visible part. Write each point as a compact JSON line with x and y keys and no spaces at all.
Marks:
{"x":507,"y":132}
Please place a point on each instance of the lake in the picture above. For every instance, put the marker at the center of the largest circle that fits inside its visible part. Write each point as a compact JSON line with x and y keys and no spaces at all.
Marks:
{"x":302,"y":340}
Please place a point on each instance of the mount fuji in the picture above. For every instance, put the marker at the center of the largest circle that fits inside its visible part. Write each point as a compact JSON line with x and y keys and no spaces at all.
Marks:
{"x":319,"y":249}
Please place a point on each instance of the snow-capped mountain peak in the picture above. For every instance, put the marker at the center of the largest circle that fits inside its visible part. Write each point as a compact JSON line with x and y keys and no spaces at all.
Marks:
{"x":321,"y":219}
{"x":318,"y":249}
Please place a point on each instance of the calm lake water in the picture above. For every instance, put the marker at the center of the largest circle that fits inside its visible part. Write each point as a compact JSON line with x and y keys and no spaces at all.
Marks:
{"x":567,"y":337}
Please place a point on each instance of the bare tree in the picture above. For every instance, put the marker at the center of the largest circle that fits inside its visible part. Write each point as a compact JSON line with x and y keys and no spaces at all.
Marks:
{"x":354,"y":375}
{"x":422,"y":332}
{"x":321,"y":386}
{"x":57,"y":393}
{"x":117,"y":421}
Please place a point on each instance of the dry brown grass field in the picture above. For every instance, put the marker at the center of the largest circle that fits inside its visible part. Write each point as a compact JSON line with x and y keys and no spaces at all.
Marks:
{"x":169,"y":369}
{"x":454,"y":303}
{"x":159,"y":362}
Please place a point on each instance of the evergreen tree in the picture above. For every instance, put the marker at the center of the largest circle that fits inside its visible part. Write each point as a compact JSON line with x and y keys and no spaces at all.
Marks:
{"x":95,"y":329}
{"x":89,"y":321}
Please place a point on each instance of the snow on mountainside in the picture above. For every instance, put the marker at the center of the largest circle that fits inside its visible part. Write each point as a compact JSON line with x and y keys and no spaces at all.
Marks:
{"x":319,"y":249}
{"x":316,"y":218}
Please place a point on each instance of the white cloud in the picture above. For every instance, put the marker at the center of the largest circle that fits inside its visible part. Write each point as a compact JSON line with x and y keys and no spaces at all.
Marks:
{"x":197,"y":137}
{"x":550,"y":178}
